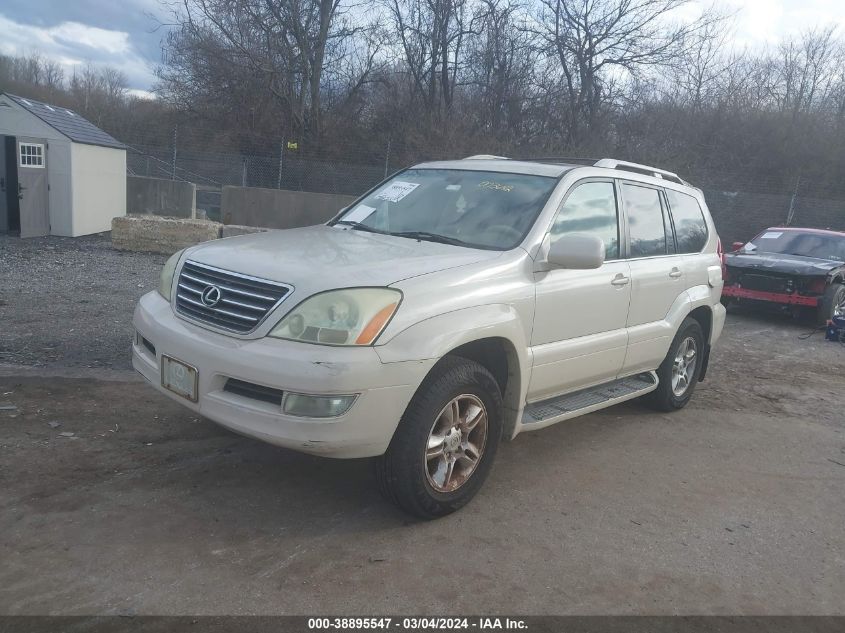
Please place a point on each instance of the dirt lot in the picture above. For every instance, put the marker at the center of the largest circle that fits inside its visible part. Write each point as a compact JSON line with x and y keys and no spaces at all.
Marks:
{"x":733,"y":505}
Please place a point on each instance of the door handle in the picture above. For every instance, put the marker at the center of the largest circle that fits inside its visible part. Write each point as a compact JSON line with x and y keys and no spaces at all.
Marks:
{"x":620,"y":280}
{"x":675,"y":273}
{"x":2,"y":184}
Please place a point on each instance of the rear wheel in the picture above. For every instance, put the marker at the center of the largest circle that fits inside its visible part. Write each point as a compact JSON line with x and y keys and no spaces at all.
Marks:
{"x":831,"y":304}
{"x":679,"y":371}
{"x":445,"y":443}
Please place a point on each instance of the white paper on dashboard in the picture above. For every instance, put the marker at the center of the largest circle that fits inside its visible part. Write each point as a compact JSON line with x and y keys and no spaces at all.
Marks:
{"x":359,"y":213}
{"x":396,"y":191}
{"x":771,"y":235}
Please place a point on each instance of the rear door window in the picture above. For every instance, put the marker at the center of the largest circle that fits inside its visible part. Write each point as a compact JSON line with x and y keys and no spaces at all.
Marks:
{"x":649,"y":230}
{"x":688,"y":218}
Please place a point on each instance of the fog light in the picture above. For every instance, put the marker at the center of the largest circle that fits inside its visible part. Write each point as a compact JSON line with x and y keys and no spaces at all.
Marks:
{"x":307,"y":406}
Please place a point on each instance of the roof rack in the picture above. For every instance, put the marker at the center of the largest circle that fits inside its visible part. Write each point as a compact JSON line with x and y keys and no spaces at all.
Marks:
{"x":612,"y":163}
{"x":563,"y":160}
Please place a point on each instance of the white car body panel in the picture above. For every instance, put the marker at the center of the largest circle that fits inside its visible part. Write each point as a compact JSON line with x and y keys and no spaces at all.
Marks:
{"x":562,"y":330}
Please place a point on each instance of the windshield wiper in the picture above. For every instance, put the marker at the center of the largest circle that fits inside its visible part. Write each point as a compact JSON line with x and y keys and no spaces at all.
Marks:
{"x":433,"y":237}
{"x":358,"y":226}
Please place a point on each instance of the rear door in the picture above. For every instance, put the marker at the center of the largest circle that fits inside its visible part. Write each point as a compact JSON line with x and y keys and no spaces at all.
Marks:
{"x":579,"y":335}
{"x":657,"y":275}
{"x":32,"y":187}
{"x":691,"y":236}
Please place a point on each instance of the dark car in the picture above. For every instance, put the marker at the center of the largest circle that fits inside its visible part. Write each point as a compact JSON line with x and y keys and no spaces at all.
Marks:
{"x":792,"y":267}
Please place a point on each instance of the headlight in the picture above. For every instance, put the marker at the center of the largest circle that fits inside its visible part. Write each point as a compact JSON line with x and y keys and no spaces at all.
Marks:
{"x":166,"y":283}
{"x":355,"y":316}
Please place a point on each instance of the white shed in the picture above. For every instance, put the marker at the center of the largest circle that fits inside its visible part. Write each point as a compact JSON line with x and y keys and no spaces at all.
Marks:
{"x":59,"y":173}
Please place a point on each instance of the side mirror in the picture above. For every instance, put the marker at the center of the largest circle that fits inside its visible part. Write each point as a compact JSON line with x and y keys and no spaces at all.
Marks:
{"x":737,"y":245}
{"x":576,"y":251}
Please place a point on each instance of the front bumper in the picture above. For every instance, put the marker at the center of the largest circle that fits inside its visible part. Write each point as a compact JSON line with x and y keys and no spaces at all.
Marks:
{"x":773,"y":297}
{"x":384,"y":389}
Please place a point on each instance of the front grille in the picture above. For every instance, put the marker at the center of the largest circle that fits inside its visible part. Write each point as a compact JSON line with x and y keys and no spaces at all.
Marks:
{"x":253,"y":391}
{"x":765,"y":283}
{"x":241,"y":304}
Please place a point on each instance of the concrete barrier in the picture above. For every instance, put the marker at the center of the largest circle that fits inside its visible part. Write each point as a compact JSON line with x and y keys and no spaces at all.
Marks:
{"x":279,"y":208}
{"x":232,"y":230}
{"x":154,"y":234}
{"x":155,"y":196}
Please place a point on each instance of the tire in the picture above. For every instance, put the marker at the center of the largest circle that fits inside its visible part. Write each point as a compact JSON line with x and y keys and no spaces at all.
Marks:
{"x":833,"y":296}
{"x":667,"y":397}
{"x":404,"y":474}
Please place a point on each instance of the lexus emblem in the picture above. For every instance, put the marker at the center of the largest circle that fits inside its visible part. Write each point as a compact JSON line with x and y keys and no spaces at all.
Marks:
{"x":211,"y":296}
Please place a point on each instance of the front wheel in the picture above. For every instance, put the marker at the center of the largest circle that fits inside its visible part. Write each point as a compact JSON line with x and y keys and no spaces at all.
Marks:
{"x":445,"y":443}
{"x":831,"y":304}
{"x":679,"y":371}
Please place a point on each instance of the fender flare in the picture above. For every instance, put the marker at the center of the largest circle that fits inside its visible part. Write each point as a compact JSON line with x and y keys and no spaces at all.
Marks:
{"x":435,"y":337}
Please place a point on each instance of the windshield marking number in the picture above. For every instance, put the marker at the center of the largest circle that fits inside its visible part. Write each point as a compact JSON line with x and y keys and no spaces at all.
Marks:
{"x":496,"y":186}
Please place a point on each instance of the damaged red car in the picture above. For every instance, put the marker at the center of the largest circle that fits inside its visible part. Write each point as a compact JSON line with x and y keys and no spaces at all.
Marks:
{"x":791,"y":267}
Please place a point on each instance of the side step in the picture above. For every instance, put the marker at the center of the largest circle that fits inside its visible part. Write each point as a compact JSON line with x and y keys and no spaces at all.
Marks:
{"x":590,"y":399}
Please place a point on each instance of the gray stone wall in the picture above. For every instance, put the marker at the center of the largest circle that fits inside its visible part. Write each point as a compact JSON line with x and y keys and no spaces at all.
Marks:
{"x":279,"y":208}
{"x":739,"y":215}
{"x":156,"y":196}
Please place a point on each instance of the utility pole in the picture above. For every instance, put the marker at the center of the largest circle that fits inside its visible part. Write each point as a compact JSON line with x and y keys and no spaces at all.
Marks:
{"x":387,"y":158}
{"x":281,"y":163}
{"x":791,"y":214}
{"x":173,"y":171}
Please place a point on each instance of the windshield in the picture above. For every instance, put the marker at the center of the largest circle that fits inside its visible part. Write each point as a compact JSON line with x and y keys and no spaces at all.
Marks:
{"x":479,"y":209}
{"x":817,"y":245}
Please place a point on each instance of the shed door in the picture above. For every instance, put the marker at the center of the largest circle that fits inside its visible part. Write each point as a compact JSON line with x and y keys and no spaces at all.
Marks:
{"x":4,"y":186}
{"x":32,"y":187}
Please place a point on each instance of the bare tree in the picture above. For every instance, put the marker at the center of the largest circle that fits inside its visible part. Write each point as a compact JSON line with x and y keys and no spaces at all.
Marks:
{"x":432,"y":35}
{"x":592,"y":40}
{"x":283,"y":44}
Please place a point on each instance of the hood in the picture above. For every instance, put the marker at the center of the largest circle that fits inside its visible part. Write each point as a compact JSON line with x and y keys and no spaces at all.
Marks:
{"x":317,"y":258}
{"x":781,"y":263}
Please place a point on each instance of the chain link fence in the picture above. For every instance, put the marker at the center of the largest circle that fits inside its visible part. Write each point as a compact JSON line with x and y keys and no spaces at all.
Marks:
{"x":742,"y":204}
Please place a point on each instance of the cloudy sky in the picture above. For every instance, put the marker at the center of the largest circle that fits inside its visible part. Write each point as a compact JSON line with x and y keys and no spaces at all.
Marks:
{"x":124,"y":34}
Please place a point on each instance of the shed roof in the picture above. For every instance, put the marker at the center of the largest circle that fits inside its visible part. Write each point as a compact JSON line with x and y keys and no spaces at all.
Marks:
{"x":68,"y":122}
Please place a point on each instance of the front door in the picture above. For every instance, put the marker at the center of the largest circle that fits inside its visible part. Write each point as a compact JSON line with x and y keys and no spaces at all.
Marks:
{"x":32,"y":187}
{"x":579,"y":337}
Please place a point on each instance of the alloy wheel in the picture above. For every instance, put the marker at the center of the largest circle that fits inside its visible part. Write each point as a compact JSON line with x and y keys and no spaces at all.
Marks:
{"x":456,"y":443}
{"x":683,"y":367}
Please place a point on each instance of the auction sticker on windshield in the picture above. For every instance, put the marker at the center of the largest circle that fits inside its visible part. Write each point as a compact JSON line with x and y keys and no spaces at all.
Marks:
{"x":359,"y":213}
{"x":396,"y":191}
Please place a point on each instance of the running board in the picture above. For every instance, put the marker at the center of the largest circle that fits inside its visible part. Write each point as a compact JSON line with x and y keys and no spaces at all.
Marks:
{"x":587,"y":400}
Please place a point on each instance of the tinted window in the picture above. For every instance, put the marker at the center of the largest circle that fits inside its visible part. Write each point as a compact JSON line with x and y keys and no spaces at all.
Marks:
{"x":591,"y":208}
{"x":645,"y":221}
{"x":483,"y":209}
{"x":792,"y":242}
{"x":690,"y":227}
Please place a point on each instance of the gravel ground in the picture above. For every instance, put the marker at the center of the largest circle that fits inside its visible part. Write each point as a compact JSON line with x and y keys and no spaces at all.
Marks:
{"x":117,"y":500}
{"x":67,"y":302}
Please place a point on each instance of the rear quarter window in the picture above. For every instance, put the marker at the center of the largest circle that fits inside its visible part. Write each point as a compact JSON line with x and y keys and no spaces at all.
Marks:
{"x":688,"y":218}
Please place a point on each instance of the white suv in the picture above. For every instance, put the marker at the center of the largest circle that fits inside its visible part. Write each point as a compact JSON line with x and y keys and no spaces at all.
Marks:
{"x":455,"y":303}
